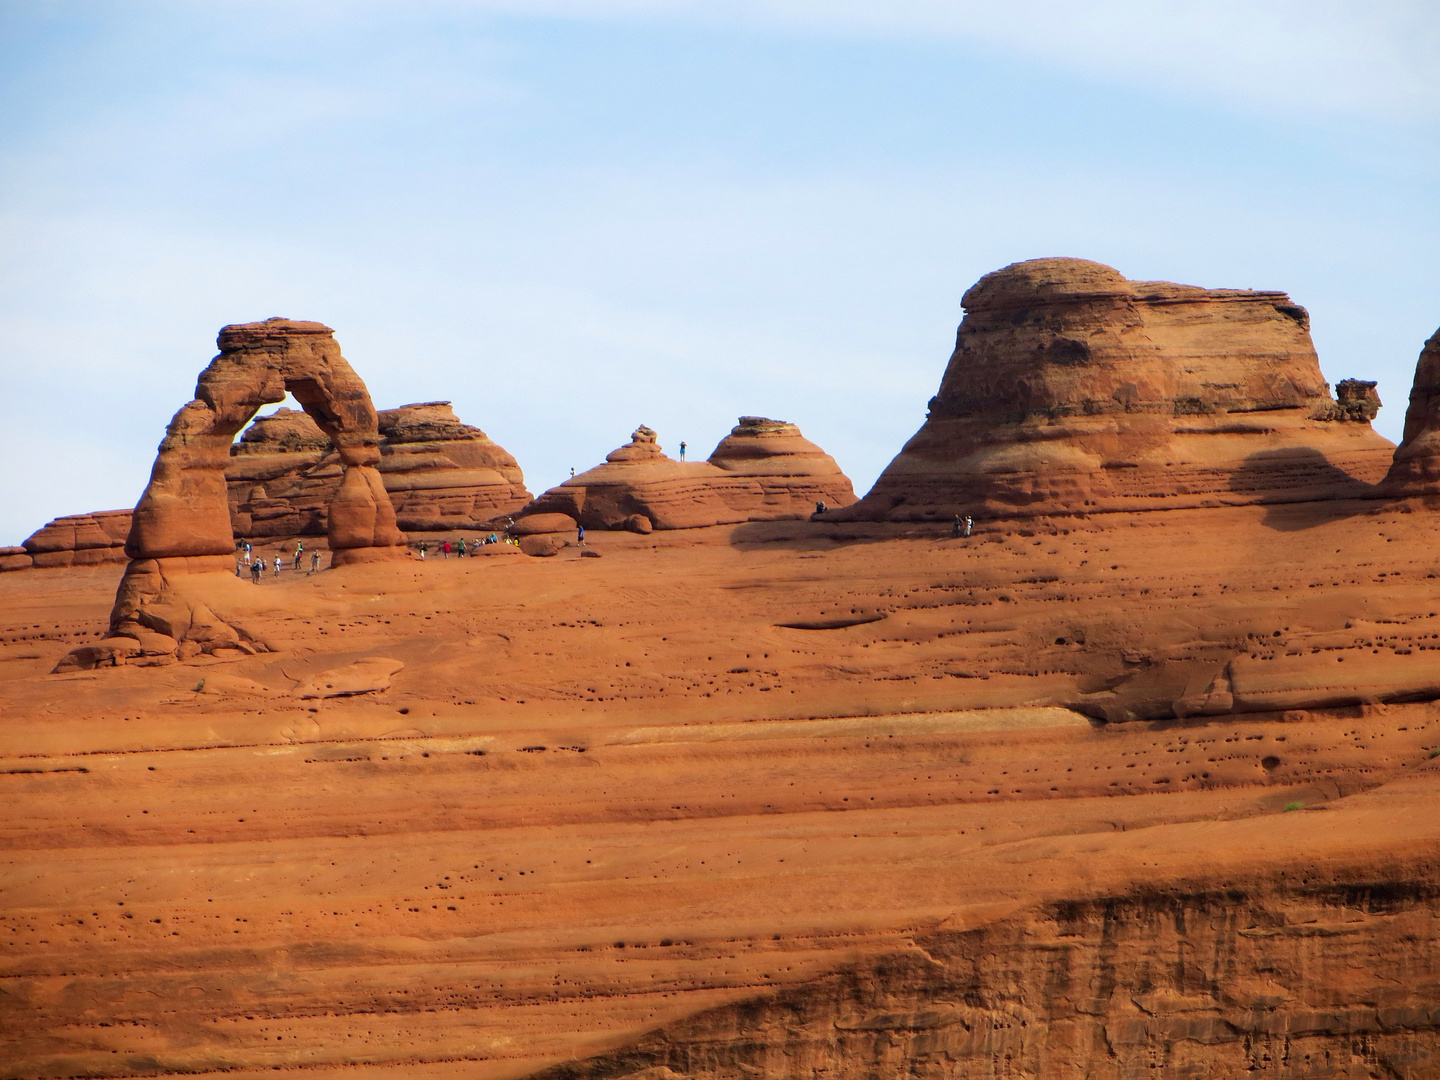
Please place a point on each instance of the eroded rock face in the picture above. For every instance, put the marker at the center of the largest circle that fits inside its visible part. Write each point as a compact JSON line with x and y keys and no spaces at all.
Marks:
{"x":764,"y":470}
{"x":80,"y":539}
{"x":441,"y":474}
{"x":1416,"y":468}
{"x":791,"y":472}
{"x":1282,"y":981}
{"x":1073,"y":389}
{"x":181,"y":525}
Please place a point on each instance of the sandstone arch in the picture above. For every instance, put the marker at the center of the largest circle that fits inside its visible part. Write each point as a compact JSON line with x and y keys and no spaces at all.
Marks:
{"x":182,"y":523}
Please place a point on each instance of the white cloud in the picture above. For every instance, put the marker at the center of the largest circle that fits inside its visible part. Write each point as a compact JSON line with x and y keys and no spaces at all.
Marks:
{"x":1344,"y":58}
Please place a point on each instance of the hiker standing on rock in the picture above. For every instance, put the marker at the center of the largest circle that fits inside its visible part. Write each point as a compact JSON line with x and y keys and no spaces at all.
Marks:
{"x":682,"y":449}
{"x":423,"y":549}
{"x":314,"y":560}
{"x":299,"y":549}
{"x":580,"y":535}
{"x":247,"y":552}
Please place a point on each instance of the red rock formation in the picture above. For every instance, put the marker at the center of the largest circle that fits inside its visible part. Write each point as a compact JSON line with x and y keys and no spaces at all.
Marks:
{"x":1416,"y":468}
{"x":764,"y":470}
{"x":1072,"y":389}
{"x":80,"y":539}
{"x":791,"y":473}
{"x":281,"y":477}
{"x":181,"y":525}
{"x":441,"y":474}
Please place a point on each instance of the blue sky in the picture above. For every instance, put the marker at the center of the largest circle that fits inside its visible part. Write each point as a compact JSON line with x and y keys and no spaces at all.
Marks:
{"x":574,"y":218}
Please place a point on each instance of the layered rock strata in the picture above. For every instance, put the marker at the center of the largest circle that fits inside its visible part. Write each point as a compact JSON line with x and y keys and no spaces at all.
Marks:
{"x":1416,"y":467}
{"x":181,"y":526}
{"x":441,"y":474}
{"x":75,"y":540}
{"x":764,"y":470}
{"x":1072,"y":389}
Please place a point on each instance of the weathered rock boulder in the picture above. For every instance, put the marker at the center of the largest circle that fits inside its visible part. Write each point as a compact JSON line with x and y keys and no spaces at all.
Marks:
{"x":764,"y":470}
{"x":181,"y":526}
{"x":1416,"y":468}
{"x":1073,"y":389}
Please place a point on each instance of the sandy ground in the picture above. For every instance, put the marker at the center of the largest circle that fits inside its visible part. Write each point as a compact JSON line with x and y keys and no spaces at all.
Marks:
{"x":589,"y":796}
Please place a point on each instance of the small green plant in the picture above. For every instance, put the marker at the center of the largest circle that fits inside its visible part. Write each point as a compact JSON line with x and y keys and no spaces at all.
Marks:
{"x":199,"y":686}
{"x":1294,"y":806}
{"x":1435,"y":751}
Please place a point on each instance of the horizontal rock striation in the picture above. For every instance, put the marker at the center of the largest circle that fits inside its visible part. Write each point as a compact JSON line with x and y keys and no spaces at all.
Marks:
{"x":764,"y":470}
{"x":1072,"y":389}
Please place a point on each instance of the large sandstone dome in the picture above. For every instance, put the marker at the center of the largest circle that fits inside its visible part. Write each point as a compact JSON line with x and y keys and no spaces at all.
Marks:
{"x":1073,"y":389}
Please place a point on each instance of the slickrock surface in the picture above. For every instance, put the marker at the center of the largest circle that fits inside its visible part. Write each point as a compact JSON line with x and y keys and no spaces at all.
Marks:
{"x":1416,"y":468}
{"x":1072,"y":388}
{"x":780,"y":799}
{"x":764,"y":470}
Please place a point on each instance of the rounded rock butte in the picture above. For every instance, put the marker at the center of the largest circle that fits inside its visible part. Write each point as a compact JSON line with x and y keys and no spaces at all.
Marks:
{"x":764,"y":470}
{"x":181,"y":526}
{"x":1072,"y":389}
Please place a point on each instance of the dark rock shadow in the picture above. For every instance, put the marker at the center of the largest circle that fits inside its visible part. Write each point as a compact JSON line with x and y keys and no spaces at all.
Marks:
{"x":1301,"y":489}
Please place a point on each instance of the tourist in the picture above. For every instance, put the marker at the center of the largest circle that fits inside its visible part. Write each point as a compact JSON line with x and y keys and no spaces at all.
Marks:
{"x":820,"y":507}
{"x":969,"y":524}
{"x":445,"y":549}
{"x":682,"y":449}
{"x":255,"y":572}
{"x":957,"y":528}
{"x":237,"y":568}
{"x":572,"y":472}
{"x":423,"y":549}
{"x":580,"y":535}
{"x":315,"y":560}
{"x":277,"y":564}
{"x":460,"y":552}
{"x":299,"y":548}
{"x":247,"y":552}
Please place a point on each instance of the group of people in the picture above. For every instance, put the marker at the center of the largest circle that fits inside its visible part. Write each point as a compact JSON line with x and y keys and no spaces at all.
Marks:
{"x":246,"y":557}
{"x":461,"y":549}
